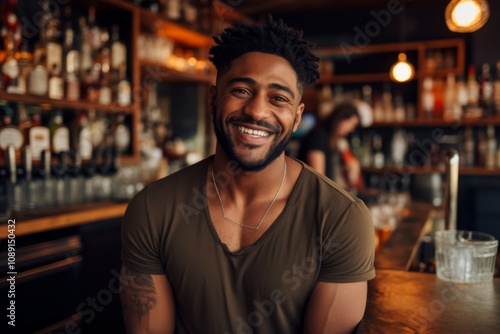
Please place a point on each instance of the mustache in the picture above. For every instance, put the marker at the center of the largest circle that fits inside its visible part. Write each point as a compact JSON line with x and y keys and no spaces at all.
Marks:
{"x":250,"y":121}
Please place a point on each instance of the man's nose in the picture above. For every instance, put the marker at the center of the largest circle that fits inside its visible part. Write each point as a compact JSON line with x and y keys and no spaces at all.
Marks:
{"x":257,"y":107}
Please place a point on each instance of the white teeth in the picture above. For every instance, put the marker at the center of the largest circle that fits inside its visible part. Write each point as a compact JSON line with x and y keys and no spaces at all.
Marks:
{"x":251,"y":132}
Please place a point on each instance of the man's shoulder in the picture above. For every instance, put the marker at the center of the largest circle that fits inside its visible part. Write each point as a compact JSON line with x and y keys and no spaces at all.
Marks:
{"x":310,"y":178}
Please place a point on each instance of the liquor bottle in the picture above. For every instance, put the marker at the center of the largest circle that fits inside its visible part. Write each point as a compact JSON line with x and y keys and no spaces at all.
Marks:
{"x":10,"y":135}
{"x":94,"y":30}
{"x":398,"y":148}
{"x":88,"y":88}
{"x":472,"y":109}
{"x":81,"y":137}
{"x":59,"y":135}
{"x":481,"y":149}
{"x":468,"y":147}
{"x":105,"y":95}
{"x":86,"y":59}
{"x":121,"y":135}
{"x":53,"y":46}
{"x":38,"y":136}
{"x":10,"y":69}
{"x":491,"y":147}
{"x":451,"y":109}
{"x":25,"y":67}
{"x":71,"y":62}
{"x":103,"y":57}
{"x":118,"y":54}
{"x":56,"y":84}
{"x":378,"y":154}
{"x":496,"y":90}
{"x":438,"y":92}
{"x":428,"y":98}
{"x":486,"y":91}
{"x":38,"y":78}
{"x":123,"y":89}
{"x":462,"y":96}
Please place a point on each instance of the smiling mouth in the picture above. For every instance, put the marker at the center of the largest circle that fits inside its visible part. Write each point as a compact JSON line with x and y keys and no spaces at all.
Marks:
{"x":253,"y":133}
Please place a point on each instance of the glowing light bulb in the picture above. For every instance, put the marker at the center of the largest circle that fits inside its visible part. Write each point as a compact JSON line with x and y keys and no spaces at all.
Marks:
{"x":466,"y":13}
{"x":402,"y":70}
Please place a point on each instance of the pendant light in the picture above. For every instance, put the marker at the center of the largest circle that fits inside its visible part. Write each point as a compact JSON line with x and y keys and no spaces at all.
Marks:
{"x":402,"y":70}
{"x":466,"y":15}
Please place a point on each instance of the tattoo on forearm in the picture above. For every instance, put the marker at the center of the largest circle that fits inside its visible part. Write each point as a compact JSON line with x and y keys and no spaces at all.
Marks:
{"x":138,"y":294}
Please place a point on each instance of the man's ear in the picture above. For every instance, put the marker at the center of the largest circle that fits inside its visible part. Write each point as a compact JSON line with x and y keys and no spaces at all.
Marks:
{"x":212,"y":98}
{"x":298,"y":116}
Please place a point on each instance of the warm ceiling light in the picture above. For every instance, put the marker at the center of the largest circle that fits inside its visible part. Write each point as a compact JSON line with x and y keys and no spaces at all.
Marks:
{"x":402,"y":70}
{"x":466,"y":15}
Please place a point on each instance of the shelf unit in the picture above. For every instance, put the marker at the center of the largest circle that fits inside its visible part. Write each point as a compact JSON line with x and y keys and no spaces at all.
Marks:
{"x":420,"y":51}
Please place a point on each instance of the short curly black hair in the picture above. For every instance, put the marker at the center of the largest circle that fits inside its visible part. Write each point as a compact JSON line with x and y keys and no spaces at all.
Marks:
{"x":274,"y":37}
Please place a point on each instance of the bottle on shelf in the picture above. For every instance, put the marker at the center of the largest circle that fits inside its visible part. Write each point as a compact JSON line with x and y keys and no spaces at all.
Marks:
{"x":462,"y":96}
{"x":472,"y":109}
{"x":38,"y":78}
{"x":71,"y":56}
{"x":428,"y":98}
{"x":118,"y":62}
{"x":121,"y":135}
{"x":10,"y":135}
{"x":491,"y":147}
{"x":81,"y":137}
{"x":468,"y":148}
{"x":486,"y":91}
{"x":452,"y":110}
{"x":378,"y":153}
{"x":481,"y":149}
{"x":123,"y":90}
{"x":59,"y":134}
{"x":438,"y":92}
{"x":25,"y":67}
{"x":56,"y":84}
{"x":398,"y":148}
{"x":496,"y":90}
{"x":10,"y":69}
{"x":37,"y":135}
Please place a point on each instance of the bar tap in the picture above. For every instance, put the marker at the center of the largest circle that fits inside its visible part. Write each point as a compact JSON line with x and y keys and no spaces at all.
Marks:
{"x":451,"y":190}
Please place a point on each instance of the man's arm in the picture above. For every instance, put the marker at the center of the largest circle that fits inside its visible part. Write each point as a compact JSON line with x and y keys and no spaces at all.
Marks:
{"x":147,"y":303}
{"x":335,"y":308}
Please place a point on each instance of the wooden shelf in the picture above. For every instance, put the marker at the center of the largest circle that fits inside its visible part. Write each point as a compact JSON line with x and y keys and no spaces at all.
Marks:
{"x":356,"y":78}
{"x":37,"y":100}
{"x":163,"y":73}
{"x":37,"y":221}
{"x":495,"y":121}
{"x":408,"y":170}
{"x":165,"y":28}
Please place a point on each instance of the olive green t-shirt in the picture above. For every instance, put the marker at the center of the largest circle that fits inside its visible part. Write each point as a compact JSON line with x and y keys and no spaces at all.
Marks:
{"x":323,"y":234}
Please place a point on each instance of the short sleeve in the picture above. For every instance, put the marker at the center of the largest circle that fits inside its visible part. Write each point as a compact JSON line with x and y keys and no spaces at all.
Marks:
{"x":349,"y":247}
{"x":315,"y":141}
{"x":140,"y":238}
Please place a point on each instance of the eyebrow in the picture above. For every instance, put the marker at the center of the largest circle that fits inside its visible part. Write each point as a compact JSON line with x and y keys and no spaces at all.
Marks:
{"x":252,"y":82}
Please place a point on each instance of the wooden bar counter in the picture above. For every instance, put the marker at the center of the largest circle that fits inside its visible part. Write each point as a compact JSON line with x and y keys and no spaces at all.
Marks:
{"x":411,"y":302}
{"x":403,"y":301}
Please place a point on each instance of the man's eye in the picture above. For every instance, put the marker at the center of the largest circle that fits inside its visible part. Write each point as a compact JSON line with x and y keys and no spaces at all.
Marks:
{"x":280,"y":99}
{"x":240,"y":91}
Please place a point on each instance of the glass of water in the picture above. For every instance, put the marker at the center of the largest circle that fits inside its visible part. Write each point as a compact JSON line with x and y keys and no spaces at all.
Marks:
{"x":465,"y":256}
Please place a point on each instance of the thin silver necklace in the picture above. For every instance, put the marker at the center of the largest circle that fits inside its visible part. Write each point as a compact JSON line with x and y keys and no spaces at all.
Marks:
{"x":265,"y":214}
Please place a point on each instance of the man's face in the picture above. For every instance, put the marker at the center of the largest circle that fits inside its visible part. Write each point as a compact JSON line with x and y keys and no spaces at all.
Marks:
{"x":255,"y":108}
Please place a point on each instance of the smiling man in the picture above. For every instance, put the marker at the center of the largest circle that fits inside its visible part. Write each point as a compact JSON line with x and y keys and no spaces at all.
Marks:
{"x":249,"y":240}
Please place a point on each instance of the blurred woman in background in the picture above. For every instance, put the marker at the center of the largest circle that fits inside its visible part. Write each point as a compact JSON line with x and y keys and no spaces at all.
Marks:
{"x":326,"y":149}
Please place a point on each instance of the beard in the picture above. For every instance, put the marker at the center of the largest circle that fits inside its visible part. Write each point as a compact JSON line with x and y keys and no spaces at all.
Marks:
{"x":227,"y":144}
